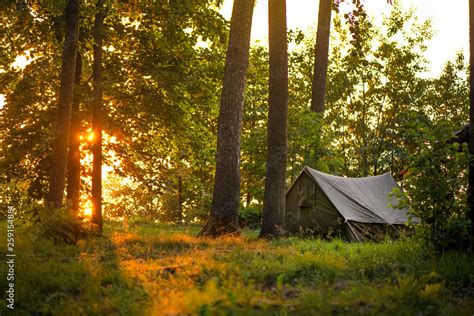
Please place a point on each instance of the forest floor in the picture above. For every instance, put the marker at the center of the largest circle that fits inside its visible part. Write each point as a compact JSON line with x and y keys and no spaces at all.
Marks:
{"x":152,"y":269}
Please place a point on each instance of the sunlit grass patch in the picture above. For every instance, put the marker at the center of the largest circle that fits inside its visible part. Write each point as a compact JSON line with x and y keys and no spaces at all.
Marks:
{"x":172,"y":266}
{"x":252,"y":276}
{"x":156,"y":269}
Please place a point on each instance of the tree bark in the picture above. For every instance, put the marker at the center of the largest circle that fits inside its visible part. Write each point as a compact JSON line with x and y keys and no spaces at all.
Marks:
{"x":226,"y":197}
{"x":248,"y":199}
{"x":180,"y":200}
{"x":97,"y":119}
{"x":318,"y":94}
{"x":365,"y":140}
{"x":471,"y":118}
{"x":273,"y":223}
{"x":63,"y":120}
{"x":74,"y":158}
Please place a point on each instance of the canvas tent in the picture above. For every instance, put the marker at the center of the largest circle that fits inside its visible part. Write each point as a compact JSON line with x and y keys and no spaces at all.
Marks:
{"x":357,"y":209}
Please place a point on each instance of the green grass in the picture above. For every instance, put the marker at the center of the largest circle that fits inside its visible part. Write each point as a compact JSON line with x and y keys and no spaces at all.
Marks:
{"x":153,"y":269}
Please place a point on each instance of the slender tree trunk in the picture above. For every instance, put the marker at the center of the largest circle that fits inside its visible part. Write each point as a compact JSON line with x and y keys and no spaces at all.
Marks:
{"x":318,"y":94}
{"x":63,"y":121}
{"x":292,"y":175}
{"x":471,"y":118}
{"x":180,"y":200}
{"x":392,"y":162}
{"x":365,"y":141}
{"x":273,"y":223}
{"x":74,"y":158}
{"x":97,"y":118}
{"x":224,"y":217}
{"x":248,"y":199}
{"x":344,"y":138}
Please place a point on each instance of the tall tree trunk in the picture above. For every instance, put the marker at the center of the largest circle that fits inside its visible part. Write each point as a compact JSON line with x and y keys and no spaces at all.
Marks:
{"x":97,"y":123}
{"x":471,"y":118}
{"x":224,"y":217}
{"x":63,"y":120}
{"x":180,"y":200}
{"x":275,"y":181}
{"x":318,"y":94}
{"x":74,"y":158}
{"x":365,"y":140}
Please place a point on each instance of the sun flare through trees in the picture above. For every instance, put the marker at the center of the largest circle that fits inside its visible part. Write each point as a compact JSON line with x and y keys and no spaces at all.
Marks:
{"x":210,"y":157}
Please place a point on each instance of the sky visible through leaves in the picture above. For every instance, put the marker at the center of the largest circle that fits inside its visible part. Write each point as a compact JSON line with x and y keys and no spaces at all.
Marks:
{"x":450,"y":21}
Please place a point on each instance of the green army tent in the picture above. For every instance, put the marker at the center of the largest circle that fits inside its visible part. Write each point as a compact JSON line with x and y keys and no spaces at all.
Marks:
{"x":356,"y":209}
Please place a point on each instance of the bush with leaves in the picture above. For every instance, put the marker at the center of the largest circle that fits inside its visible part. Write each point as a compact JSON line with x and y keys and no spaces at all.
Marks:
{"x":435,"y":184}
{"x":16,"y":193}
{"x":62,"y":226}
{"x":250,"y":217}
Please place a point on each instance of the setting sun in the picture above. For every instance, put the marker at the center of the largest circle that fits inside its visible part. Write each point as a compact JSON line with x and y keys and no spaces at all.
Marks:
{"x":86,"y":211}
{"x":90,"y":136}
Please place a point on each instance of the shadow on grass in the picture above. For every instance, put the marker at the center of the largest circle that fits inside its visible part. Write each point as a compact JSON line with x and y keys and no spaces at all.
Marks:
{"x":135,"y":246}
{"x":60,"y":279}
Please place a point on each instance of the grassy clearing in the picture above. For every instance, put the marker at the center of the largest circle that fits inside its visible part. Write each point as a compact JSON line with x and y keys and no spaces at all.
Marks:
{"x":165,"y":270}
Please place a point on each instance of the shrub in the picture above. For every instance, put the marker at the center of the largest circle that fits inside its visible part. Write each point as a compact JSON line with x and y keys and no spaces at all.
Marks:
{"x":250,"y":217}
{"x":436,"y":191}
{"x":61,"y":225}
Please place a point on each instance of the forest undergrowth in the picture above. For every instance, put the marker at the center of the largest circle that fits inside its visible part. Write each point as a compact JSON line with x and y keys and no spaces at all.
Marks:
{"x":154,"y":269}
